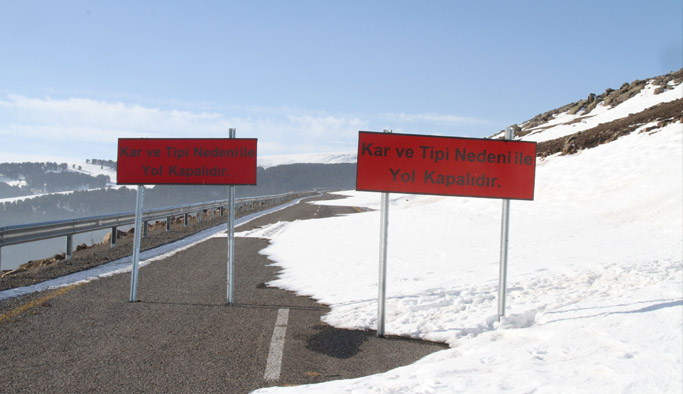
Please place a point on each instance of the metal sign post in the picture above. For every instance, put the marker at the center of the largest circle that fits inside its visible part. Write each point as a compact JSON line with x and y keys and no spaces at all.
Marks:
{"x":504,"y":238}
{"x":231,"y":237}
{"x":136,"y":244}
{"x":446,"y":166}
{"x":186,"y":161}
{"x":383,"y":242}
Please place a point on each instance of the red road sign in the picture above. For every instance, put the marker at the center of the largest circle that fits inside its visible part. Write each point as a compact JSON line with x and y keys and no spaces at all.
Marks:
{"x":421,"y":164}
{"x":197,"y":161}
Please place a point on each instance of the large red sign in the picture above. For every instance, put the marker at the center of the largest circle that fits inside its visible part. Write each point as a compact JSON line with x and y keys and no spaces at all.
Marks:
{"x":198,"y":161}
{"x":451,"y":166}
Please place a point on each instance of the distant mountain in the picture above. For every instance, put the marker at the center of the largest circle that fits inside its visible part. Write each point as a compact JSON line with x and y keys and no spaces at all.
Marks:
{"x":32,"y":179}
{"x":22,"y":207}
{"x":311,"y":158}
{"x":26,"y":179}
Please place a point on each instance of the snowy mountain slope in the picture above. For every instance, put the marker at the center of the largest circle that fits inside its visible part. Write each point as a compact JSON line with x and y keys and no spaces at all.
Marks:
{"x":317,"y":158}
{"x":595,"y":280}
{"x":264,"y":162}
{"x":565,"y":123}
{"x":612,"y":105}
{"x":12,"y":182}
{"x":72,"y":166}
{"x":93,"y":170}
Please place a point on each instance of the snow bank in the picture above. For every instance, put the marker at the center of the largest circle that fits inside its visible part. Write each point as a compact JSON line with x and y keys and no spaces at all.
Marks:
{"x":595,"y":296}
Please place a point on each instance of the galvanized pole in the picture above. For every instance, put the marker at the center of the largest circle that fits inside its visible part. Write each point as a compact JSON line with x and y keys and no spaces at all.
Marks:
{"x":231,"y":238}
{"x":504,"y":239}
{"x":136,"y":244}
{"x":383,"y":242}
{"x":112,"y":239}
{"x":69,"y":247}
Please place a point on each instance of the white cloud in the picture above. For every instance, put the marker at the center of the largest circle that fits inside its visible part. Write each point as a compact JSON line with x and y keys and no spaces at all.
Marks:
{"x":94,"y":120}
{"x":90,"y":128}
{"x":100,"y":123}
{"x":444,"y":119}
{"x":329,"y":126}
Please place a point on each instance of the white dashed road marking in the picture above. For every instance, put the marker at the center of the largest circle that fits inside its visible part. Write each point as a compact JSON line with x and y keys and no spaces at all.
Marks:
{"x":277,"y":345}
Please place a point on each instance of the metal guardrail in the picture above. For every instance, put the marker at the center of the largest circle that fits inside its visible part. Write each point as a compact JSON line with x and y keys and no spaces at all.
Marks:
{"x":18,"y":234}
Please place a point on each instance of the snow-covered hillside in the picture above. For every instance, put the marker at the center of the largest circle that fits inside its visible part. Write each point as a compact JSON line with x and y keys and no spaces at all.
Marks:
{"x":595,"y":277}
{"x":612,"y":105}
{"x":565,"y":123}
{"x":316,"y":158}
{"x":72,"y":166}
{"x":93,"y":170}
{"x":265,"y":162}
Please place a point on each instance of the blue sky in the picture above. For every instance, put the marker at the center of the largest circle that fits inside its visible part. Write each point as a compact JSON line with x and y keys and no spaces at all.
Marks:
{"x":306,"y":76}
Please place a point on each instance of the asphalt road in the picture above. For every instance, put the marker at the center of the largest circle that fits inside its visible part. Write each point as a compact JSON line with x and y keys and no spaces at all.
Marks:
{"x":182,"y":336}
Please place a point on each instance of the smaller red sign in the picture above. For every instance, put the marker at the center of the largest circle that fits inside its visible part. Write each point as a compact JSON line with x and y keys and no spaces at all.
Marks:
{"x":180,"y":161}
{"x":421,"y":164}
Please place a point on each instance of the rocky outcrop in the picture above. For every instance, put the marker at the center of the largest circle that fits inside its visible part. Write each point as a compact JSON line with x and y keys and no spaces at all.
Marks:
{"x":661,"y":115}
{"x":609,"y":97}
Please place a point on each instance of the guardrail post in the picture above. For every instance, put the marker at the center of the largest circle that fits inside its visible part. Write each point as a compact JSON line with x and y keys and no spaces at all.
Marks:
{"x":199,"y":216}
{"x":212,"y":212}
{"x":9,"y":236}
{"x":0,"y":258}
{"x":168,"y":224}
{"x":69,"y":247}
{"x":145,"y":229}
{"x":112,"y":241}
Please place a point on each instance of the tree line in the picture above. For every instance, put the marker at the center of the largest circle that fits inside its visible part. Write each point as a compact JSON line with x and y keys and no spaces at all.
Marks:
{"x":102,"y":163}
